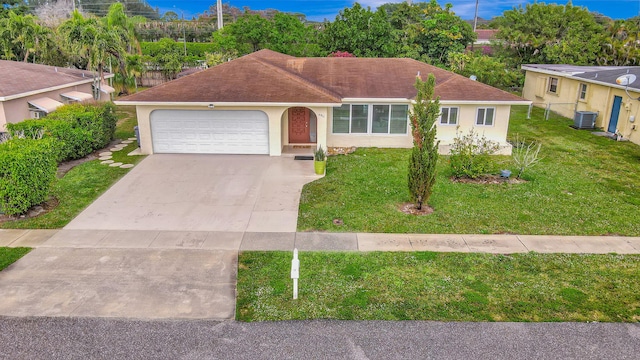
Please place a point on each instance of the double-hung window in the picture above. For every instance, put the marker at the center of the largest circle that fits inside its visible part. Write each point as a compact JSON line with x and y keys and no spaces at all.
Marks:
{"x":485,"y":116}
{"x":449,"y":116}
{"x":553,"y":85}
{"x":583,"y":92}
{"x":370,"y":119}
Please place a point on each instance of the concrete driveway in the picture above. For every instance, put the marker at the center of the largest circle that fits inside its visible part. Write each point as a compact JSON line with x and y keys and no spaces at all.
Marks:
{"x":236,"y":193}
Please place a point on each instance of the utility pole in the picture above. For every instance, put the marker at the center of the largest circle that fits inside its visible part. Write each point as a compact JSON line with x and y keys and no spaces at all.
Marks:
{"x":184,"y":35}
{"x":219,"y":8}
{"x":475,"y":18}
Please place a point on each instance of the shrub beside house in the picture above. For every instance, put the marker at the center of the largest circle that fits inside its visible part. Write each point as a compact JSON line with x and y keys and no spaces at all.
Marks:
{"x":28,"y":160}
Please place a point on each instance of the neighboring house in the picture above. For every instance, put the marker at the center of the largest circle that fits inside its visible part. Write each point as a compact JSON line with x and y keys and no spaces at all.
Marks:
{"x":265,"y":101}
{"x":567,"y":89}
{"x":484,"y":39}
{"x":33,"y":90}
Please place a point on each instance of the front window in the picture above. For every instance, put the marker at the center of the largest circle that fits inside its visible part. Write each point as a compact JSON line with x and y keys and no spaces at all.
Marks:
{"x":485,"y":116}
{"x":553,"y":85}
{"x":449,"y":116}
{"x":370,"y":119}
{"x":583,"y":91}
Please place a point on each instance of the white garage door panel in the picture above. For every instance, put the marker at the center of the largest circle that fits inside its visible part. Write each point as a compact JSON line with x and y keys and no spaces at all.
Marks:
{"x":210,"y":131}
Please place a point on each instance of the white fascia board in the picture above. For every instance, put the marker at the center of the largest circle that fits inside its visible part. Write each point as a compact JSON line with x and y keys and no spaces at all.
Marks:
{"x":221,"y":104}
{"x":469,"y":102}
{"x":550,"y":72}
{"x":376,"y":100}
{"x":40,"y":91}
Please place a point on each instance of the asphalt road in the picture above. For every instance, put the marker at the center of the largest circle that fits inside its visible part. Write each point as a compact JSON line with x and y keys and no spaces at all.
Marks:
{"x":91,"y":338}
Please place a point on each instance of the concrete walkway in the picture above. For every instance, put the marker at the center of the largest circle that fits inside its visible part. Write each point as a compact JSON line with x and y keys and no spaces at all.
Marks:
{"x":303,"y":241}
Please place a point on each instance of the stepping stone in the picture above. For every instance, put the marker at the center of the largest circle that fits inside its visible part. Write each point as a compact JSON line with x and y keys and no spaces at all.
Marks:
{"x":104,"y":157}
{"x":127,"y":142}
{"x":115,"y":149}
{"x":115,"y":164}
{"x":126,"y":166}
{"x":132,"y":138}
{"x":107,"y":162}
{"x":106,"y":153}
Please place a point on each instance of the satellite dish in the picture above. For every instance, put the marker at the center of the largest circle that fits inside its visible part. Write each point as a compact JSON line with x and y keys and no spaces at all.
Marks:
{"x":473,"y":77}
{"x":626,"y":80}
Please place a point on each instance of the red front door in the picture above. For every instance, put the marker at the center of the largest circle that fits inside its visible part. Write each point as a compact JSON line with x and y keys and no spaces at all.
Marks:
{"x":299,"y":129}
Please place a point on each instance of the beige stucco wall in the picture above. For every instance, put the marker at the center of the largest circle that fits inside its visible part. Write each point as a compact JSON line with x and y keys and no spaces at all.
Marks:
{"x":599,"y":99}
{"x":278,"y":127}
{"x":17,"y":110}
{"x":445,"y":133}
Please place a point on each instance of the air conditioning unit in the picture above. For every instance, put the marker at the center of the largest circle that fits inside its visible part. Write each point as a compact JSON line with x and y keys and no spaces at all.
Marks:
{"x":584,"y":120}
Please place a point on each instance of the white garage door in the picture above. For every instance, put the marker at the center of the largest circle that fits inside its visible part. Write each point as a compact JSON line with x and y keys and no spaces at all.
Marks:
{"x":210,"y":132}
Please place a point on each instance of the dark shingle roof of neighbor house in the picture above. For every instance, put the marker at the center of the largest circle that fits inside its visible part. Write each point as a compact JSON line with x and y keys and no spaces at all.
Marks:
{"x":20,"y":77}
{"x":601,"y":74}
{"x":270,"y":77}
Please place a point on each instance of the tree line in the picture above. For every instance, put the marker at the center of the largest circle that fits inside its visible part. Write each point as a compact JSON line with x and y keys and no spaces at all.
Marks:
{"x":425,"y":31}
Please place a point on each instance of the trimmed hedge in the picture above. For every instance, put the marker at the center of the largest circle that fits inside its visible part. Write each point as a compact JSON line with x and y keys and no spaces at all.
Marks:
{"x":77,"y":128}
{"x":27,"y":170}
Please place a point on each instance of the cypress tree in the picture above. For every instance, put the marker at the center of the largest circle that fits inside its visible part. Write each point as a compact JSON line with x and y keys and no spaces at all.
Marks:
{"x":424,"y":155}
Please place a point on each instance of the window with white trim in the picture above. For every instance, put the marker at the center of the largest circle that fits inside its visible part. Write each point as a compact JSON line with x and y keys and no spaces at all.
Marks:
{"x":370,"y":119}
{"x":553,"y":85}
{"x":485,"y":116}
{"x":583,"y":91}
{"x":449,"y":116}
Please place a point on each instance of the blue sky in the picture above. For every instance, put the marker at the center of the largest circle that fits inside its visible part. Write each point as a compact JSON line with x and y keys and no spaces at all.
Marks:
{"x":328,"y":9}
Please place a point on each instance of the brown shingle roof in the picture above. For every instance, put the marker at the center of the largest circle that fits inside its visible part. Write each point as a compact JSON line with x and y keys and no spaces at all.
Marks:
{"x":20,"y":77}
{"x":271,"y":77}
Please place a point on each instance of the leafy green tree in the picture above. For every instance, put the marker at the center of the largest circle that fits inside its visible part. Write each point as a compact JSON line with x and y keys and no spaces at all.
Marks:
{"x":549,"y":34}
{"x":487,"y":69}
{"x":290,"y":36}
{"x":424,"y":155}
{"x":22,"y":38}
{"x":621,"y":46}
{"x":426,"y":31}
{"x":17,"y":6}
{"x":170,"y":16}
{"x":359,"y":31}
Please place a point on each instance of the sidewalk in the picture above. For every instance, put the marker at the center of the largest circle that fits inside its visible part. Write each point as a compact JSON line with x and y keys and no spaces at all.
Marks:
{"x":265,"y":241}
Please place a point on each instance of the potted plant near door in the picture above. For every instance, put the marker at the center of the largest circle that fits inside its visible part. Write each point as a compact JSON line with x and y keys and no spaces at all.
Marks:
{"x":320,"y":161}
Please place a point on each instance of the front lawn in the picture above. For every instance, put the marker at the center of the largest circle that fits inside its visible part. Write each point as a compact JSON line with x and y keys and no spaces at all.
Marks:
{"x":440,"y":286}
{"x":10,"y":255}
{"x":584,"y":185}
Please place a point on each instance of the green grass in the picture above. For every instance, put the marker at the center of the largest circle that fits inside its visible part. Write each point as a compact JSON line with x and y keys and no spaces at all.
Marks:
{"x":440,"y":286}
{"x":10,"y":255}
{"x":127,"y":121}
{"x":584,"y":185}
{"x":84,"y":183}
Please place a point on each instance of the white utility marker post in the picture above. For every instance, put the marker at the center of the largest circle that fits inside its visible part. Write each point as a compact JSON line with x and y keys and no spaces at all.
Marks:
{"x":295,"y":273}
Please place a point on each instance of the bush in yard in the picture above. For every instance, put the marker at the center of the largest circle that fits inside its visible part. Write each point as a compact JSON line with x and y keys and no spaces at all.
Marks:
{"x":471,"y":155}
{"x":424,"y":155}
{"x":525,"y":155}
{"x":27,"y":169}
{"x":78,"y":129}
{"x":98,"y":119}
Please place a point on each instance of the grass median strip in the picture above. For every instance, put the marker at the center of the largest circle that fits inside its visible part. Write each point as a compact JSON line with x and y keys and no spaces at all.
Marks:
{"x":440,"y":286}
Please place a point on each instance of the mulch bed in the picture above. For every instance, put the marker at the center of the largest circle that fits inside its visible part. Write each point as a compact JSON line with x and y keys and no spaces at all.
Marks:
{"x":410,"y":208}
{"x":489,"y":179}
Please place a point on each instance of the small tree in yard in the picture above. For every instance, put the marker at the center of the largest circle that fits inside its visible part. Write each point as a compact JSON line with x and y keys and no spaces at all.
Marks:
{"x":424,"y":156}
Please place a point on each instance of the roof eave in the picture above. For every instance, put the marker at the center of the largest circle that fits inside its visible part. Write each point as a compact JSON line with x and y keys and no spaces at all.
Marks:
{"x":52,"y":88}
{"x":221,"y":104}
